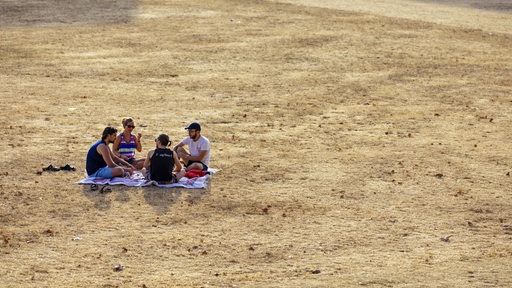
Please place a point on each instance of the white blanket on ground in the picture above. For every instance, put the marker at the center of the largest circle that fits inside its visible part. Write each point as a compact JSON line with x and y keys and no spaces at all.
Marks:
{"x":137,"y":180}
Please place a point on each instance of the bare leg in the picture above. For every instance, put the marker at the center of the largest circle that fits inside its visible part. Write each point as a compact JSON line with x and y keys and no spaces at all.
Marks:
{"x":182,"y":152}
{"x":139,"y":163}
{"x":196,"y":165}
{"x":117,"y":172}
{"x":180,"y":174}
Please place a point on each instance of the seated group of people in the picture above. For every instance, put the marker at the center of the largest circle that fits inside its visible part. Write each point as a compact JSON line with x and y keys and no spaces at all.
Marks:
{"x":161,"y":164}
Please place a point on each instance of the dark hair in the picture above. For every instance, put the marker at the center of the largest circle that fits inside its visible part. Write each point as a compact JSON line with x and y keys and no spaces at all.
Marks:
{"x":126,"y":121}
{"x":108,"y":131}
{"x":164,"y":139}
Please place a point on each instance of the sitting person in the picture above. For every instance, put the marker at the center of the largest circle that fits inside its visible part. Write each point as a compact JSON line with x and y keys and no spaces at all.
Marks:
{"x":161,"y":162}
{"x":126,"y":144}
{"x":102,"y":162}
{"x":199,"y":146}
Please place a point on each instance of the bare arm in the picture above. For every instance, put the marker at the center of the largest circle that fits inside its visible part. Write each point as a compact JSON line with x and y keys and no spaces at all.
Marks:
{"x":178,"y":146}
{"x":115,"y":146}
{"x":109,"y":158}
{"x":107,"y":155}
{"x":177,"y":163}
{"x":119,"y":160}
{"x":137,"y":142}
{"x":147,"y":161}
{"x":202,"y":153}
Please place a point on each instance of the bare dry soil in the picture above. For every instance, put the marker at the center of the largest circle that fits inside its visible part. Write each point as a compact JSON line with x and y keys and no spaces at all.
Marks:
{"x":358,"y":148}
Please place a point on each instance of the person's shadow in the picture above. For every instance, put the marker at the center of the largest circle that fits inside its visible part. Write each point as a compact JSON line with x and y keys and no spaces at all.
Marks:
{"x":195,"y":195}
{"x":161,"y":199}
{"x":100,"y":199}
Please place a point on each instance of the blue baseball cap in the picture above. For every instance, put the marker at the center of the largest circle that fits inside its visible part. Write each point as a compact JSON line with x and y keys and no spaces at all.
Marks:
{"x":194,"y":125}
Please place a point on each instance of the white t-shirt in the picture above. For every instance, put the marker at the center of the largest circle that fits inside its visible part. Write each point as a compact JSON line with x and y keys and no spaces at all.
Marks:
{"x":195,"y":147}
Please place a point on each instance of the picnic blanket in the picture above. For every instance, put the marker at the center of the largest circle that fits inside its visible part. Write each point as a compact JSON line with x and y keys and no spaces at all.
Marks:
{"x":137,"y":180}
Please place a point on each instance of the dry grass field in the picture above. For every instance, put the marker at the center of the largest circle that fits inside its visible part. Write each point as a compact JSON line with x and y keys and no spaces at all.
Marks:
{"x":359,"y":147}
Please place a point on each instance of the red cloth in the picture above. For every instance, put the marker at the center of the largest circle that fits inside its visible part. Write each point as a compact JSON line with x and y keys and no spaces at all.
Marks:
{"x":194,"y":173}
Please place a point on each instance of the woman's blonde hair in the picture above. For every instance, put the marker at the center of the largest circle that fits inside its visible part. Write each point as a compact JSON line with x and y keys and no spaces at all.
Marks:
{"x":126,"y":121}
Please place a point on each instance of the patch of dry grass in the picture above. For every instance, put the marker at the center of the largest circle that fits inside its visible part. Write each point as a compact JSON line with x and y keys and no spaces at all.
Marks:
{"x":349,"y":144}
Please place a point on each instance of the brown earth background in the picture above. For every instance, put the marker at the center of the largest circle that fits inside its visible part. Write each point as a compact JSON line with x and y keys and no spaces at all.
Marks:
{"x":362,"y":143}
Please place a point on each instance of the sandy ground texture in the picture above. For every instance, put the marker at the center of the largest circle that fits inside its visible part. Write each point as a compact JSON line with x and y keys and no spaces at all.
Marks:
{"x":358,"y":148}
{"x":489,"y":15}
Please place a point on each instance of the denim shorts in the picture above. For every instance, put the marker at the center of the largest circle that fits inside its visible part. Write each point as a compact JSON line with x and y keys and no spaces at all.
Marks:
{"x":104,"y":172}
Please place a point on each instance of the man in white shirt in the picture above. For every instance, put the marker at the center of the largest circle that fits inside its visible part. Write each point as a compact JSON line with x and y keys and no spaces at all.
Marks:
{"x":198,"y":156}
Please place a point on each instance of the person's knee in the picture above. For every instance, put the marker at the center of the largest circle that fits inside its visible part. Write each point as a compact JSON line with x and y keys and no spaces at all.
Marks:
{"x":118,"y":171}
{"x":139,"y":164}
{"x":197,"y":166}
{"x":181,"y":152}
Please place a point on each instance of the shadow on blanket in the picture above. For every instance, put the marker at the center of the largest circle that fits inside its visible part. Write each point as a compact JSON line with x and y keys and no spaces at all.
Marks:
{"x":138,"y":180}
{"x":158,"y":198}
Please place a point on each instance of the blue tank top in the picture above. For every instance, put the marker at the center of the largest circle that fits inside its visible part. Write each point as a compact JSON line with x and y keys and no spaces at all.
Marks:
{"x":94,"y":160}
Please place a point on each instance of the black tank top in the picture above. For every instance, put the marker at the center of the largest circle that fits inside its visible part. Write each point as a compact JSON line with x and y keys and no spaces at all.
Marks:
{"x":162,"y":164}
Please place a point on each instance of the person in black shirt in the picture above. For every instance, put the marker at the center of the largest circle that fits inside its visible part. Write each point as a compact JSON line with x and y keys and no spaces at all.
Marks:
{"x":161,"y":162}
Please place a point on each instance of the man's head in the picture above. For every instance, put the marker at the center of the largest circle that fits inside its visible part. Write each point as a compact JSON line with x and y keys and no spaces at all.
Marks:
{"x":194,"y":130}
{"x":163,"y":139}
{"x":109,"y":134}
